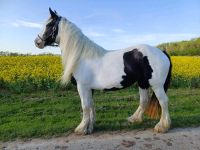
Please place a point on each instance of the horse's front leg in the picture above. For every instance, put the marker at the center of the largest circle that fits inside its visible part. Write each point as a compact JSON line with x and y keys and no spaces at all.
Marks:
{"x":86,"y":125}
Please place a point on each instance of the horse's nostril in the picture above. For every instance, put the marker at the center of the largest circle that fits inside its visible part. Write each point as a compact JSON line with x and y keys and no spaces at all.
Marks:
{"x":37,"y":42}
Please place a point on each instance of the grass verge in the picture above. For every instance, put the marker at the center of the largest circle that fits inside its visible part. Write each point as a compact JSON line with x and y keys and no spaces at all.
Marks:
{"x":55,"y":113}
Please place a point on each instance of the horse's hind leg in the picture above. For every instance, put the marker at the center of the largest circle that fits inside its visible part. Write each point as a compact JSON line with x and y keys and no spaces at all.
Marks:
{"x":164,"y":123}
{"x":138,"y":115}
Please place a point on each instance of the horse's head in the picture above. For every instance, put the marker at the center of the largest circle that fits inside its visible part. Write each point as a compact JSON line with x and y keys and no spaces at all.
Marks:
{"x":48,"y":36}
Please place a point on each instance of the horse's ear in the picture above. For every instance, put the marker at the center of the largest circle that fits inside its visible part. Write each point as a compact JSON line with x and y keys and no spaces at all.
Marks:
{"x":53,"y":14}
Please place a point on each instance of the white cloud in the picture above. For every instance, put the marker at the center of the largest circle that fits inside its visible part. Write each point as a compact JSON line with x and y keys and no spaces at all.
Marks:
{"x":126,"y":40}
{"x":95,"y":34}
{"x":93,"y":15}
{"x":97,"y":14}
{"x":161,"y":38}
{"x":118,"y":30}
{"x":28,"y":24}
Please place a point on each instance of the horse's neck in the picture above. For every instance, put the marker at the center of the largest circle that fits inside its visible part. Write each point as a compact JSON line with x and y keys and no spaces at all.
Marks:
{"x":72,"y":40}
{"x":75,"y":46}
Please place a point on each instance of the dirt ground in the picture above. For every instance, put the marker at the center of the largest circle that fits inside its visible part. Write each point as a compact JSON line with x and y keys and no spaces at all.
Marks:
{"x":175,"y":139}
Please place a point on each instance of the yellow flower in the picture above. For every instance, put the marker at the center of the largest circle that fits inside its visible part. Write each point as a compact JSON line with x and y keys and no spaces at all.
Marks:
{"x":21,"y":68}
{"x":187,"y":67}
{"x":38,"y":68}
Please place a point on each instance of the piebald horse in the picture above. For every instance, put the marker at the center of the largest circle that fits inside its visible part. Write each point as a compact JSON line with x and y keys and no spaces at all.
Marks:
{"x":93,"y":67}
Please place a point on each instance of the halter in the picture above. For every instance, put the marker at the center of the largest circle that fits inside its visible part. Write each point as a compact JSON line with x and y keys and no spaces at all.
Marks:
{"x":52,"y":35}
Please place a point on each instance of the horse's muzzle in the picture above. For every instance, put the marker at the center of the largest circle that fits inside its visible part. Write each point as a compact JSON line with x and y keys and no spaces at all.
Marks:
{"x":39,"y":43}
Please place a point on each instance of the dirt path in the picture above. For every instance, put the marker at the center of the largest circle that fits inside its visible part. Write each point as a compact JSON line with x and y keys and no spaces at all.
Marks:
{"x":176,"y":139}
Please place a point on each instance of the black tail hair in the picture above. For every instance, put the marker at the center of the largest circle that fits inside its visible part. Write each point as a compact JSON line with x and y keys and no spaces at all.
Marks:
{"x":168,"y":79}
{"x":154,"y":109}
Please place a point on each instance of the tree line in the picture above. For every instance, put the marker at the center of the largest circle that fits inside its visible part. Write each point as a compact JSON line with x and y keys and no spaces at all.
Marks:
{"x":182,"y":48}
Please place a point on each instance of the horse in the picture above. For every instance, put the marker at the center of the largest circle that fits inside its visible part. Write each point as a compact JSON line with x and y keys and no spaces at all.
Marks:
{"x":94,"y":68}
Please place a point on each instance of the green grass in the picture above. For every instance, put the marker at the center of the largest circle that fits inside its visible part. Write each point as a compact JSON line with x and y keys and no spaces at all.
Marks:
{"x":29,"y":85}
{"x":55,"y":113}
{"x":182,"y":82}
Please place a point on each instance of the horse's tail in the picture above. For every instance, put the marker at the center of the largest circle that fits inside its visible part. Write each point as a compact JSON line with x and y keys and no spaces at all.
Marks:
{"x":154,"y":110}
{"x":168,"y":79}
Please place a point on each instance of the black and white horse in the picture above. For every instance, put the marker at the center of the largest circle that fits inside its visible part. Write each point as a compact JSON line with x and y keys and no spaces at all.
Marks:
{"x":93,"y":67}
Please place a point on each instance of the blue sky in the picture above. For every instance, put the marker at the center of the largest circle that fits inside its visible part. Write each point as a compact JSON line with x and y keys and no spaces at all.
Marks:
{"x":112,"y":24}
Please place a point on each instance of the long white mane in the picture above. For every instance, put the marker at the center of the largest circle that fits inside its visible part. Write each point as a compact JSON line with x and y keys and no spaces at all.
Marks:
{"x":75,"y":45}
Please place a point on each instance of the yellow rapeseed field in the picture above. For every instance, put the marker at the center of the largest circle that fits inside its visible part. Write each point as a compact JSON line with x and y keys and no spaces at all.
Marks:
{"x":187,"y":67}
{"x":20,"y":68}
{"x":38,"y":68}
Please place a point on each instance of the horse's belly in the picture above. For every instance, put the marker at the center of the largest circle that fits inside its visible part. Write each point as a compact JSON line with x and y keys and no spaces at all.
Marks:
{"x":109,"y":79}
{"x":109,"y":73}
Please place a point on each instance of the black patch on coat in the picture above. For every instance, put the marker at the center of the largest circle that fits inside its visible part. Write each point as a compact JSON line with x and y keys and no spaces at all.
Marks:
{"x":92,"y":92}
{"x":73,"y":81}
{"x":51,"y":31}
{"x":137,"y":69}
{"x":168,"y":79}
{"x":112,"y":89}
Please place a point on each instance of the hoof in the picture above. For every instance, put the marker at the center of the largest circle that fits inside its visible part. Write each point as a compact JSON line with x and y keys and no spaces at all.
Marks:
{"x":160,"y":129}
{"x":84,"y":130}
{"x":134,"y":119}
{"x":80,"y":131}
